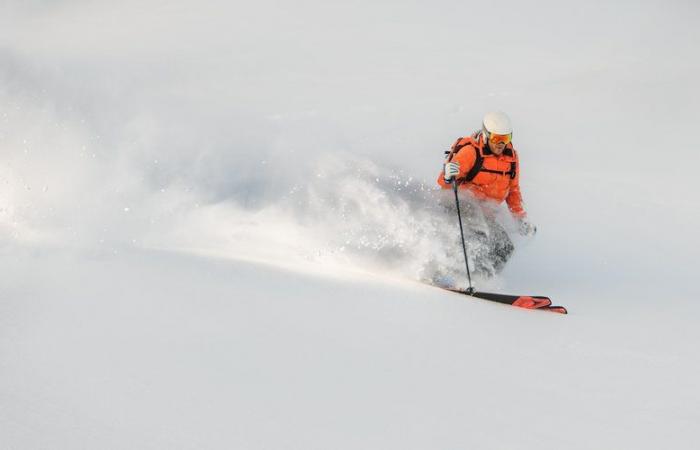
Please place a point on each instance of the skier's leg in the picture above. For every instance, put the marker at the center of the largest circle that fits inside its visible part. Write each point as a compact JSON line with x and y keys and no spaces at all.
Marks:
{"x":479,"y":236}
{"x":500,"y":245}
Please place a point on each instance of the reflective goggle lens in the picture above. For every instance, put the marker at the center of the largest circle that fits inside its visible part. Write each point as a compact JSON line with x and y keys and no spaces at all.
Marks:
{"x":498,"y":138}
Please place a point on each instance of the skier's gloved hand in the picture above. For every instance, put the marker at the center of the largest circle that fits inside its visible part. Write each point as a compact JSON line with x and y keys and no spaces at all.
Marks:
{"x":525,"y":228}
{"x":451,"y":171}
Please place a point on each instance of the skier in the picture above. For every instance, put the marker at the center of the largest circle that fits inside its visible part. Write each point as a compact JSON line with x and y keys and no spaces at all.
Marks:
{"x":486,"y":166}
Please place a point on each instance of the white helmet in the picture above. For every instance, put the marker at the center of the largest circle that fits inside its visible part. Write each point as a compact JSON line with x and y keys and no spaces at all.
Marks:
{"x":497,"y":123}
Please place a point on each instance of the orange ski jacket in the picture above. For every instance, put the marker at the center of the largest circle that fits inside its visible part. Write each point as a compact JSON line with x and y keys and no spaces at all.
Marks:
{"x":497,"y":179}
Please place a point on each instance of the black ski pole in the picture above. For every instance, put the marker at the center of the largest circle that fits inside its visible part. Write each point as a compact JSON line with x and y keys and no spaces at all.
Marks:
{"x":461,"y":231}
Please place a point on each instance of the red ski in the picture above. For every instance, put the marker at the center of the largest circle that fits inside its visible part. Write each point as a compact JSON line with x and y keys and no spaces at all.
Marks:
{"x":521,"y":301}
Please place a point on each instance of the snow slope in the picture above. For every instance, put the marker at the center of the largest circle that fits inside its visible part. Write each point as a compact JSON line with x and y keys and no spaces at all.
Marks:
{"x":215,"y":216}
{"x":160,"y":350}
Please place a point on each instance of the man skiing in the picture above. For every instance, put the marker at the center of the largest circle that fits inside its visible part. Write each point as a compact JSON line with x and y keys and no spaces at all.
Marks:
{"x":486,"y":166}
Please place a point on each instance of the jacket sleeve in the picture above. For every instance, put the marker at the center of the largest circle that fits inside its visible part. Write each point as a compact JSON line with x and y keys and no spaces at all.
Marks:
{"x":466,"y":158}
{"x":514,"y":198}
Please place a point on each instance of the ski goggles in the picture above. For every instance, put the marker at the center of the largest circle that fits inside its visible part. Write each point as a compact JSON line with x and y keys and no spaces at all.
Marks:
{"x":499,"y":138}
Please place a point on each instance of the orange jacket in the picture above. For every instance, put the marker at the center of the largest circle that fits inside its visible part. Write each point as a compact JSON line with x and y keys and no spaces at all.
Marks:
{"x":488,"y":185}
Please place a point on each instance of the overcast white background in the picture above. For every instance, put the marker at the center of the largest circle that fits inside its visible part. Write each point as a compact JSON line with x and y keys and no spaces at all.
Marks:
{"x":213,"y":216}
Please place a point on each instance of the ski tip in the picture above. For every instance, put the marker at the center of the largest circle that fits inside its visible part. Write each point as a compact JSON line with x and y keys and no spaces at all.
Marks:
{"x":557,"y":309}
{"x":529,"y":302}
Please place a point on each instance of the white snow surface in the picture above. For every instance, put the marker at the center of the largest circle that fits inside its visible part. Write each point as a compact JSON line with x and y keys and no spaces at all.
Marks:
{"x":215,"y":218}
